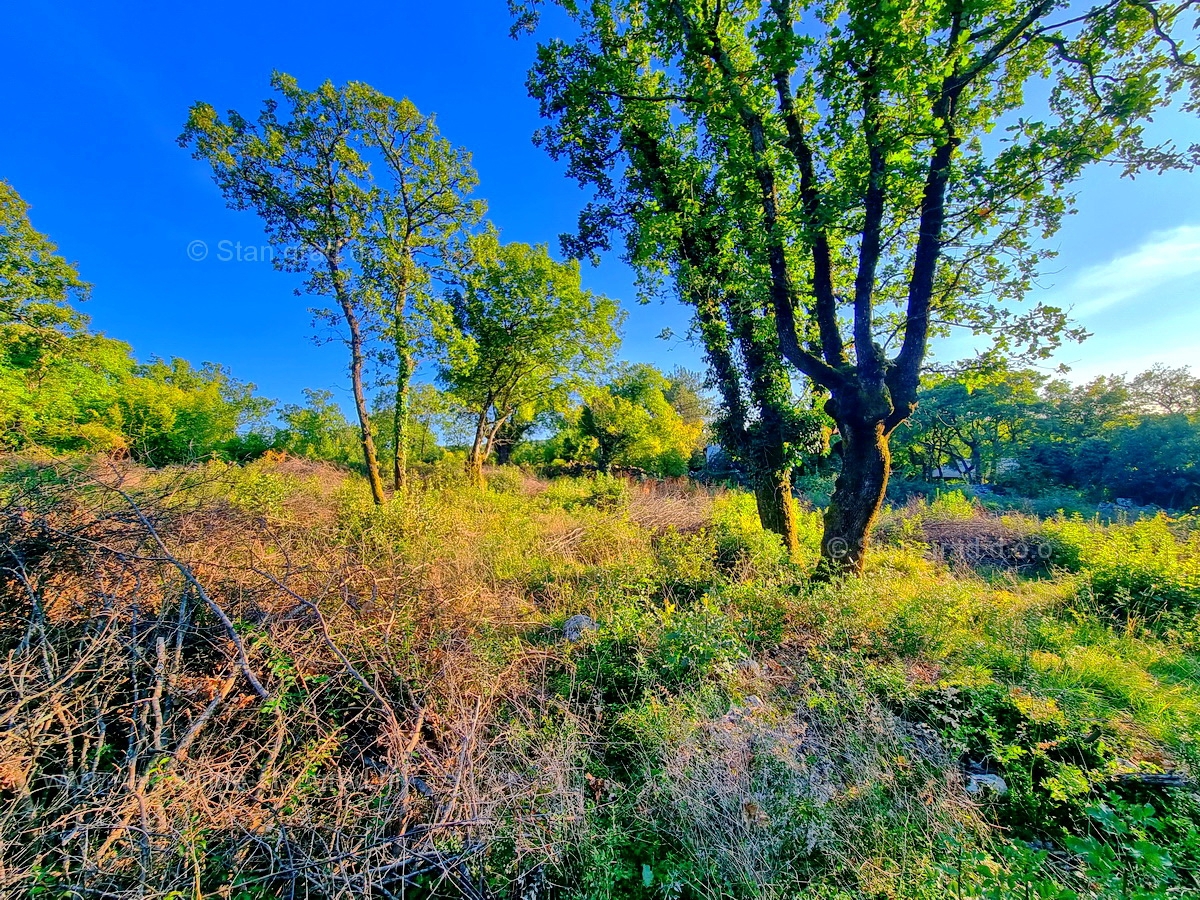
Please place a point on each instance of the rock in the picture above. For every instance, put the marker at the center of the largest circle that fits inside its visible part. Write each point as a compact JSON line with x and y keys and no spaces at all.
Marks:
{"x":985,"y":784}
{"x":575,"y":626}
{"x":750,"y":667}
{"x":738,"y":714}
{"x":1124,"y":503}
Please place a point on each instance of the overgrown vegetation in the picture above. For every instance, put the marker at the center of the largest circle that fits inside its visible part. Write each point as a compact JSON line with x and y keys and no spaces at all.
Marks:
{"x":239,"y":666}
{"x":251,"y":681}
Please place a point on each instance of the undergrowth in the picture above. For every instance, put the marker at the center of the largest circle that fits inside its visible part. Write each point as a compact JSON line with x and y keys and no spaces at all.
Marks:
{"x":251,"y":682}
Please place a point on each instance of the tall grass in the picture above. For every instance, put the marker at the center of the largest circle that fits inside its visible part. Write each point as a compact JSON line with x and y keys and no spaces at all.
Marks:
{"x":251,"y":682}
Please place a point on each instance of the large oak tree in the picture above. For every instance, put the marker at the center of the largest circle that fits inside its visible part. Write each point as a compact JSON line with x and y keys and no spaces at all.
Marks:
{"x":862,"y":175}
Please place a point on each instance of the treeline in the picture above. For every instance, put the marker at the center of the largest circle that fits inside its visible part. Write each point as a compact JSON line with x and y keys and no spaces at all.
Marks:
{"x":523,"y":353}
{"x":524,"y":358}
{"x":1017,"y":429}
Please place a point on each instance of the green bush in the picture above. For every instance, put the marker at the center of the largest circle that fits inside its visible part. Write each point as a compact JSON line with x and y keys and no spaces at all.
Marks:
{"x":605,"y":492}
{"x":741,"y":543}
{"x":686,"y":564}
{"x":506,"y":480}
{"x":1140,"y":570}
{"x":695,"y":642}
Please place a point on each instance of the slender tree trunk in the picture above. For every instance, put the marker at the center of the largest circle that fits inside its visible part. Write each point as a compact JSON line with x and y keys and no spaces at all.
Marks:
{"x":404,"y":369}
{"x":370,"y":458}
{"x":475,"y":458}
{"x":777,"y":506}
{"x":857,"y":497}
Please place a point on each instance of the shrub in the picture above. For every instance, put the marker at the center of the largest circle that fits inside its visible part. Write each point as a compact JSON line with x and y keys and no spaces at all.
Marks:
{"x":604,"y":492}
{"x":697,"y":641}
{"x":1139,"y":570}
{"x":506,"y":480}
{"x":742,"y":546}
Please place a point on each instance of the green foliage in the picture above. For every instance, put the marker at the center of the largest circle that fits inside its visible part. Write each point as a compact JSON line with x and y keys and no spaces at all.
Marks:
{"x":506,"y":480}
{"x":37,"y":286}
{"x":697,"y":641}
{"x":335,"y":180}
{"x":743,"y":545}
{"x":952,"y":505}
{"x":1128,"y":854}
{"x":1136,"y":438}
{"x":630,"y":422}
{"x":89,"y":394}
{"x":818,"y":183}
{"x":1135,"y":571}
{"x":519,"y":332}
{"x":317,"y":430}
{"x":604,"y":492}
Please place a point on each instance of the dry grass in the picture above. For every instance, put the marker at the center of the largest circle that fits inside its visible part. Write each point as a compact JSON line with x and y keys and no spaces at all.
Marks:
{"x":679,"y":503}
{"x":249,"y":682}
{"x":138,"y":759}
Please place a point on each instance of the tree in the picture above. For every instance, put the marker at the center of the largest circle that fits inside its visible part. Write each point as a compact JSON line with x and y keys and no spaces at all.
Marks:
{"x":173,"y":412}
{"x":317,"y":430}
{"x":631,"y":421}
{"x":689,"y":396}
{"x":972,"y":420}
{"x":520,"y":331}
{"x":1156,"y":460}
{"x":65,"y":388}
{"x":354,"y":189}
{"x":422,"y":210}
{"x":1166,"y":390}
{"x":37,"y":285}
{"x":842,"y":151}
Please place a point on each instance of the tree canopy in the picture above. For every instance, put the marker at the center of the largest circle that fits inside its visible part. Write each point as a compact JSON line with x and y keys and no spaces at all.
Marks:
{"x":361,"y":194}
{"x":641,"y":419}
{"x":519,"y":332}
{"x":874,"y":174}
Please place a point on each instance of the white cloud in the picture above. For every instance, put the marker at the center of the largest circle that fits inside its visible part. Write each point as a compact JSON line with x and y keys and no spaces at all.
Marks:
{"x":1164,"y":258}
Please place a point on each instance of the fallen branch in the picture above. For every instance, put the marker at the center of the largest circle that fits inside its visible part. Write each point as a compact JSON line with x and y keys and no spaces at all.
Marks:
{"x":190,"y":577}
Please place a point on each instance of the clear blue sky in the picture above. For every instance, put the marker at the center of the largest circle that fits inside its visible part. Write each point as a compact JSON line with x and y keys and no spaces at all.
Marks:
{"x":98,"y":94}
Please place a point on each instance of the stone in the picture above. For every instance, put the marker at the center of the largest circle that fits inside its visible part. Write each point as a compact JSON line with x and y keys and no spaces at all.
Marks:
{"x":750,"y":666}
{"x":985,"y":784}
{"x":574,"y":627}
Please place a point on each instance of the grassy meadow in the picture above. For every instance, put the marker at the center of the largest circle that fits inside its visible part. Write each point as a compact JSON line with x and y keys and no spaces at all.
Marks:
{"x":250,"y":682}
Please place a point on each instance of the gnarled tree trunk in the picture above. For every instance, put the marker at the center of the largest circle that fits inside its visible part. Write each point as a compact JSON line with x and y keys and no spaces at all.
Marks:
{"x":777,"y":506}
{"x":857,"y":497}
{"x":865,"y":417}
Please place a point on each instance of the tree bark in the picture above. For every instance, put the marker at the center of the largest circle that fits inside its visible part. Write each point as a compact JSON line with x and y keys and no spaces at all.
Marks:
{"x":404,"y":369}
{"x":476,"y":456}
{"x":777,"y":506}
{"x":857,"y":497}
{"x":370,"y":458}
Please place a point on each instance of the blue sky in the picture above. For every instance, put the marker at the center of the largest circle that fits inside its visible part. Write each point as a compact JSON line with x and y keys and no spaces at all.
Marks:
{"x":98,"y":94}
